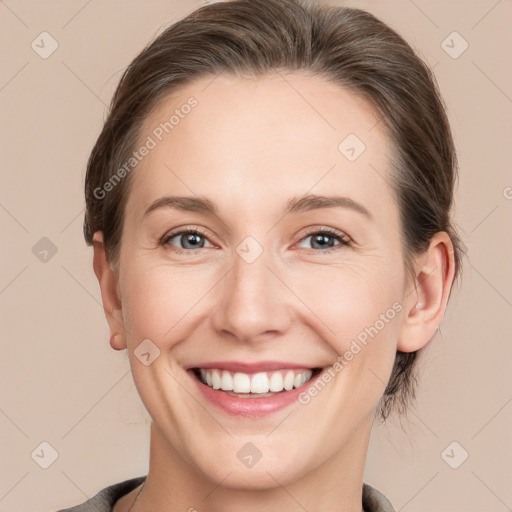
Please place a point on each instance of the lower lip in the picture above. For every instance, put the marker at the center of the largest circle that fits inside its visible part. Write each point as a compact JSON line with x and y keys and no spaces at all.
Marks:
{"x":251,"y":406}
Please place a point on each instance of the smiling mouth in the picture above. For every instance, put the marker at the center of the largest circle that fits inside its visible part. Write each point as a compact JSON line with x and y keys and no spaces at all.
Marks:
{"x":254,"y":385}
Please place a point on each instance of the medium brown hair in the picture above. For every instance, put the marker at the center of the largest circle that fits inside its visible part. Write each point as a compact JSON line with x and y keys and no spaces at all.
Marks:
{"x":349,"y":47}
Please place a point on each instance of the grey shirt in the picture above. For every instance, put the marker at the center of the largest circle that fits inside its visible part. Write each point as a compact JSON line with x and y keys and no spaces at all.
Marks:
{"x":373,"y":500}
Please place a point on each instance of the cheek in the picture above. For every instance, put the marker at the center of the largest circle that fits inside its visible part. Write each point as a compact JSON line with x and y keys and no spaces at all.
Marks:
{"x":362,"y":307}
{"x":159,"y":301}
{"x":351,"y":297}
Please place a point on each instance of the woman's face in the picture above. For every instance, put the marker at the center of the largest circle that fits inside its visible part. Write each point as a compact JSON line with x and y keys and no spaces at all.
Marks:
{"x":262,"y":289}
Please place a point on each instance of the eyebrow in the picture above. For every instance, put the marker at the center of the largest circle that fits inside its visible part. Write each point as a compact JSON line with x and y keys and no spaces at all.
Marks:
{"x":294,"y":205}
{"x":313,"y":202}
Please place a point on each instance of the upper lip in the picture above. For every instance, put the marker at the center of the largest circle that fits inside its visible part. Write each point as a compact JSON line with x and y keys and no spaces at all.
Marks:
{"x":251,"y":367}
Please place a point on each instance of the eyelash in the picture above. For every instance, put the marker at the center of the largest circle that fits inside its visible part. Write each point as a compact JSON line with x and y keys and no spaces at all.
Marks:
{"x":342,"y":238}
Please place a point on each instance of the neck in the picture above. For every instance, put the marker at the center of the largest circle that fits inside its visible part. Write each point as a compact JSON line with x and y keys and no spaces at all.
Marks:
{"x":173,"y":484}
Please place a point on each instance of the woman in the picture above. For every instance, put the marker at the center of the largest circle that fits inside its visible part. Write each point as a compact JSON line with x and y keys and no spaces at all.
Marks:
{"x":269,"y":205}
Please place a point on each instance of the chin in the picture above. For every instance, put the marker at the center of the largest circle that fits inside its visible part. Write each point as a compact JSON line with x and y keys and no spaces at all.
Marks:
{"x":266,"y":477}
{"x":268,"y":468}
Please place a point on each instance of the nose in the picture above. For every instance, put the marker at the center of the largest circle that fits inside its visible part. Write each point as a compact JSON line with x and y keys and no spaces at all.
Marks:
{"x":253,"y":303}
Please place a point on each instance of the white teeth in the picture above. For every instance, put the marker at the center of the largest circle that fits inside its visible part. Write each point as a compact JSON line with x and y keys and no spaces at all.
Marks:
{"x":288,"y":380}
{"x":276,"y":382}
{"x":241,"y":382}
{"x":215,"y":380}
{"x":226,"y":383}
{"x":257,"y":383}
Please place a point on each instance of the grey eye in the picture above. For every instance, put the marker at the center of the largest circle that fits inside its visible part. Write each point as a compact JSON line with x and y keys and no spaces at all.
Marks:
{"x":188,"y":240}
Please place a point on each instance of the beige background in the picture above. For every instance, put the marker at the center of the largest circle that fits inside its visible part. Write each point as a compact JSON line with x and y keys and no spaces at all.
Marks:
{"x":63,"y":384}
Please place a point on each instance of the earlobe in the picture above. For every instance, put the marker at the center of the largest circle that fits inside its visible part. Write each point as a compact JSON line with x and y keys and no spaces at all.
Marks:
{"x":425,"y":303}
{"x":107,"y":280}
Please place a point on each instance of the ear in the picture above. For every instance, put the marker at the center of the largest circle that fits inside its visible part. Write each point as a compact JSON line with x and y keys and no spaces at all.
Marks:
{"x":108,"y":284}
{"x":425,"y":301}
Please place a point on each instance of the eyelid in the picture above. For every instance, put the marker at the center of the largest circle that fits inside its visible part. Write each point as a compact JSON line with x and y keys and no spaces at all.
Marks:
{"x":181,"y":231}
{"x":344,"y":239}
{"x":325,"y":229}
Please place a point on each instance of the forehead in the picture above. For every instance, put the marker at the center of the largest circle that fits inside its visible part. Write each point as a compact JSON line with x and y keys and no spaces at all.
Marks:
{"x":279,"y":135}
